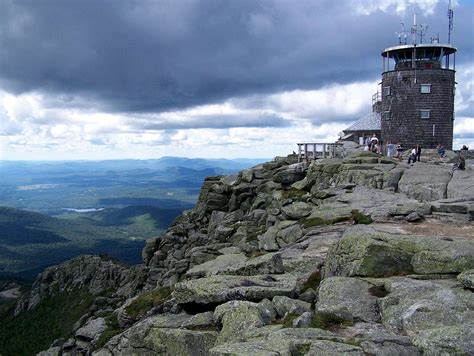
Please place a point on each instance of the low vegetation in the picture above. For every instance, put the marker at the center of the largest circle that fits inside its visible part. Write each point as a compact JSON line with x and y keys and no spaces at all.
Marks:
{"x":148,"y":300}
{"x":32,"y":331}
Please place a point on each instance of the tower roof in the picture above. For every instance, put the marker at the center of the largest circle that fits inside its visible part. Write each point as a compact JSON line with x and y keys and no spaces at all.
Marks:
{"x":370,"y":122}
{"x":446,"y":48}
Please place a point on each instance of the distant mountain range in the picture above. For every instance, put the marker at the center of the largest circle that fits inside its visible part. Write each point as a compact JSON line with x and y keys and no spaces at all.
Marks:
{"x":29,"y":241}
{"x":56,"y":210}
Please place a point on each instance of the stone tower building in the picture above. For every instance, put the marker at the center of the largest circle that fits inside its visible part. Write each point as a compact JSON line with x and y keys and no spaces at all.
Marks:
{"x":418,"y":94}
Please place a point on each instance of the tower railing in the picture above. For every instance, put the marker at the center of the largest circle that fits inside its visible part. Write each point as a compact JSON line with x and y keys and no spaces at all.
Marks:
{"x":376,"y":98}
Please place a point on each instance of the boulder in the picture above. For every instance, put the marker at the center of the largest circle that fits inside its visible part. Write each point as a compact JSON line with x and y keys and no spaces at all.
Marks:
{"x":297,"y":210}
{"x":467,"y":278}
{"x":285,"y":306}
{"x":220,"y":288}
{"x":416,"y":305}
{"x":216,"y":266}
{"x":462,"y":184}
{"x":425,"y":182}
{"x":447,"y":340}
{"x":236,"y":317}
{"x":343,"y":296}
{"x":304,"y":320}
{"x":165,"y":334}
{"x":92,"y":330}
{"x":406,"y":208}
{"x":182,"y":341}
{"x":328,"y":348}
{"x":290,"y":174}
{"x":267,"y":241}
{"x":363,"y":251}
{"x":257,"y":346}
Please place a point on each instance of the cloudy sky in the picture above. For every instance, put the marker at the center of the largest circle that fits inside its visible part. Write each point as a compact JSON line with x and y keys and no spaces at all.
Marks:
{"x":210,"y":78}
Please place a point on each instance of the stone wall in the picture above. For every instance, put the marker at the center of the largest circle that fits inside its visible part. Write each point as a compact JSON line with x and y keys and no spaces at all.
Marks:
{"x":404,"y":123}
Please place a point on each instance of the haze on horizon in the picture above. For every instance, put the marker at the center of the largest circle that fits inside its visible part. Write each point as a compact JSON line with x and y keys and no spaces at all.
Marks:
{"x":150,"y":78}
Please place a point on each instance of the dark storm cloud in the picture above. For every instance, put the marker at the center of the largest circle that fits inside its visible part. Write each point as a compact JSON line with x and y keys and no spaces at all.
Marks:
{"x":209,"y":121}
{"x":150,"y":56}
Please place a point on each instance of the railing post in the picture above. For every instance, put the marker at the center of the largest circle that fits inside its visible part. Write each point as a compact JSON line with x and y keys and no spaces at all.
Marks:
{"x":299,"y":152}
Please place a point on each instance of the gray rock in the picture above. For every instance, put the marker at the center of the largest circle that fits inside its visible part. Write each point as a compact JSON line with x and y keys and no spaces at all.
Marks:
{"x":425,"y":182}
{"x":285,"y":306}
{"x":467,"y":278}
{"x":415,"y":305}
{"x":257,"y":346}
{"x":267,"y":311}
{"x":92,"y":330}
{"x":461,"y":185}
{"x":342,"y":296}
{"x":289,"y":235}
{"x":290,"y":174}
{"x":267,"y":241}
{"x":52,"y":351}
{"x":414,"y":217}
{"x":406,"y":208}
{"x":238,"y":264}
{"x":363,"y":251}
{"x":304,"y":320}
{"x":329,"y":348}
{"x":237,"y":317}
{"x":220,"y":289}
{"x":182,"y":342}
{"x":216,"y":266}
{"x":447,"y":340}
{"x":297,"y":210}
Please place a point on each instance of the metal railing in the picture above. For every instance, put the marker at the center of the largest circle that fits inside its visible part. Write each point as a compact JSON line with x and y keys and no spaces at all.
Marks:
{"x":313,"y":150}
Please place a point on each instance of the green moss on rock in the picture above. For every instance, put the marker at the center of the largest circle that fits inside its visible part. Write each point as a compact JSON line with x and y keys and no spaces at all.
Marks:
{"x":148,"y":300}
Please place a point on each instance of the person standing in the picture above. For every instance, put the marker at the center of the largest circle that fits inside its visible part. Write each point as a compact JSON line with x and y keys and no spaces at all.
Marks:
{"x":390,"y":149}
{"x":412,"y":156}
{"x":418,"y":152}
{"x":400,"y":150}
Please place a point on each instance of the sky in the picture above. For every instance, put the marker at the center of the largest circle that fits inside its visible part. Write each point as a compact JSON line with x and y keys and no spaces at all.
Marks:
{"x":203,"y":78}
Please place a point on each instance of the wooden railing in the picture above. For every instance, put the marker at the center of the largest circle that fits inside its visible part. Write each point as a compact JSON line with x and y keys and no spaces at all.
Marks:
{"x":314,"y":150}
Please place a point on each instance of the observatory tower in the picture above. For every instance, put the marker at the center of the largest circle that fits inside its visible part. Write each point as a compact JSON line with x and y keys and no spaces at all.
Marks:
{"x":418,"y":87}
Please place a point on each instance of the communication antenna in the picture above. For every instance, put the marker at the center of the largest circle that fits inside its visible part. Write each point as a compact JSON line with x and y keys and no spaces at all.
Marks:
{"x":402,"y":35}
{"x":414,"y":29}
{"x":450,"y":18}
{"x":423,"y":29}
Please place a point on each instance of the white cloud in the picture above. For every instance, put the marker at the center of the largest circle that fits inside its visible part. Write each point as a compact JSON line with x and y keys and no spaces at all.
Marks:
{"x":36,"y":126}
{"x":367,"y":7}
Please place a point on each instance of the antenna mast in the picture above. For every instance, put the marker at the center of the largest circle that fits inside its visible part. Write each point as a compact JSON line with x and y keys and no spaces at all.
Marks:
{"x":450,"y":17}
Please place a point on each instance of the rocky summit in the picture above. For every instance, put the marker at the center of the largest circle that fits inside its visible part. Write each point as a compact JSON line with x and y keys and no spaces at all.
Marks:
{"x":363,"y":255}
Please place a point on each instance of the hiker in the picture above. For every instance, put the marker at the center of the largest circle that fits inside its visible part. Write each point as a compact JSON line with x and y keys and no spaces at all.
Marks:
{"x":391,"y":149}
{"x":461,"y":164}
{"x":441,"y":150}
{"x":412,"y":156}
{"x":374,"y":141}
{"x":400,"y":150}
{"x":418,"y":152}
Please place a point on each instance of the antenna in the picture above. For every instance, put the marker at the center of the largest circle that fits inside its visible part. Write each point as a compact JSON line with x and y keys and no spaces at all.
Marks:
{"x":414,"y":29}
{"x":423,"y":29}
{"x":450,"y":18}
{"x":402,"y":35}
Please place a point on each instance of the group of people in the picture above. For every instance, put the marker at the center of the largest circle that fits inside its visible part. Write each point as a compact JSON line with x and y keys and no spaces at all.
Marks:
{"x":373,"y":144}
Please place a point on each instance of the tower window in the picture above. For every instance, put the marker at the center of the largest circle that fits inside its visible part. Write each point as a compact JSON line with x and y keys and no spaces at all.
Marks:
{"x":386,"y":91}
{"x":425,"y":114}
{"x":425,"y":88}
{"x":386,"y":115}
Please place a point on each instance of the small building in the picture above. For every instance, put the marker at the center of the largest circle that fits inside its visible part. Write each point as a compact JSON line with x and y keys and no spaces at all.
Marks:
{"x":363,"y":128}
